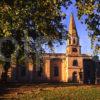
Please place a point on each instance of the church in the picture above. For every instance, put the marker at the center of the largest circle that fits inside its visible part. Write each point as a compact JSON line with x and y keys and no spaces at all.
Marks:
{"x":70,"y":67}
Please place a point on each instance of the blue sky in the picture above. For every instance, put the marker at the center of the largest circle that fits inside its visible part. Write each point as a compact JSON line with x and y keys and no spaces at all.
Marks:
{"x":81,"y":29}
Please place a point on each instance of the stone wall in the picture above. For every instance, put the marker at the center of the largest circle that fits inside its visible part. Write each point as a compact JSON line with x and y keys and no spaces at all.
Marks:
{"x":74,"y":71}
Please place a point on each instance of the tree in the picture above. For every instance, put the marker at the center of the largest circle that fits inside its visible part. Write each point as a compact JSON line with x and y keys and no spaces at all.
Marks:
{"x":42,"y":19}
{"x":31,"y":23}
{"x":91,"y":10}
{"x":20,"y":18}
{"x":7,"y":48}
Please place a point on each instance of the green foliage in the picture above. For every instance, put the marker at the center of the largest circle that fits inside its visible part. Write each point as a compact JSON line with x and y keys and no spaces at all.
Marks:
{"x":7,"y":48}
{"x":96,"y":58}
{"x":41,"y":20}
{"x":91,"y":10}
{"x":1,"y":62}
{"x":38,"y":19}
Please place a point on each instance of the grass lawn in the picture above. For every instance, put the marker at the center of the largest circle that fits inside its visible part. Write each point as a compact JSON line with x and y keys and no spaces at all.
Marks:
{"x":50,"y":92}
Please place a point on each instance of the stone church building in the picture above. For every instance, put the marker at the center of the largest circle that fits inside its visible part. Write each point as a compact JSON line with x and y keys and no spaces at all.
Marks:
{"x":72,"y":66}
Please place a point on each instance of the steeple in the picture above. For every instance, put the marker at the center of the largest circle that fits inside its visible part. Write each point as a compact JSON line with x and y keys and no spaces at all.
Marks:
{"x":73,"y":46}
{"x":72,"y":27}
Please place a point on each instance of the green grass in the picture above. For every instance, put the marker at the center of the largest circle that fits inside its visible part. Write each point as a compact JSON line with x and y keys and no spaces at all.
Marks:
{"x":52,"y":92}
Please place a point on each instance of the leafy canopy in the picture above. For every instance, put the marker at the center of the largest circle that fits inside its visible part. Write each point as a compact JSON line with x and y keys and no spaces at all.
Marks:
{"x":41,"y":20}
{"x":91,"y":10}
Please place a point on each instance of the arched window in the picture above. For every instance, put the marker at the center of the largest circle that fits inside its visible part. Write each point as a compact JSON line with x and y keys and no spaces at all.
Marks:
{"x":56,"y":71}
{"x":75,"y":63}
{"x":81,"y":76}
{"x":74,"y":41}
{"x":69,"y":41}
{"x":74,"y":77}
{"x":74,"y":50}
{"x":23,"y":70}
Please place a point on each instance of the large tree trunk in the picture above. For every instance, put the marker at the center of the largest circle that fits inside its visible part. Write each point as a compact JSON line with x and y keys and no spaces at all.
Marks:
{"x":4,"y":76}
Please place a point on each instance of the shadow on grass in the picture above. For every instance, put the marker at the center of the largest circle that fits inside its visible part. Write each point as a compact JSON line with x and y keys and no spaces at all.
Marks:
{"x":11,"y":88}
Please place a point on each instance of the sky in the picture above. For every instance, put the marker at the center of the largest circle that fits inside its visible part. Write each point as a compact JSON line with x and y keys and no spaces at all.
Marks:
{"x":81,"y":29}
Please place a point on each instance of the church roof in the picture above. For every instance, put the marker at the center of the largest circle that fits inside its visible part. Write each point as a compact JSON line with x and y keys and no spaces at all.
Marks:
{"x":61,"y":54}
{"x":72,"y":27}
{"x":55,"y":55}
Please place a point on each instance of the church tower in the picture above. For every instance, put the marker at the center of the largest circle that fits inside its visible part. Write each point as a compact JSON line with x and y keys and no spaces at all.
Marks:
{"x":73,"y":46}
{"x":74,"y":58}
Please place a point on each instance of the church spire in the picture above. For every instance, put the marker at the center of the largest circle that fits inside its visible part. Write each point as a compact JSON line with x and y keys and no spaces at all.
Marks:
{"x":73,"y":46}
{"x":72,"y":27}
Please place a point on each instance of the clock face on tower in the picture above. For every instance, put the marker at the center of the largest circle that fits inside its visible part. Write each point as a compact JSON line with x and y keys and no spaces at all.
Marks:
{"x":74,"y":49}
